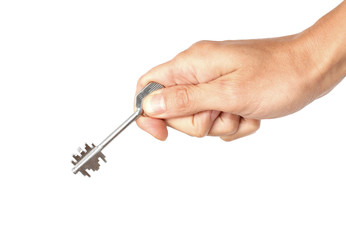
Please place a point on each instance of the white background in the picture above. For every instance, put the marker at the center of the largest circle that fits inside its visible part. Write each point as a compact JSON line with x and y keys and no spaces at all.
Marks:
{"x":68,"y":71}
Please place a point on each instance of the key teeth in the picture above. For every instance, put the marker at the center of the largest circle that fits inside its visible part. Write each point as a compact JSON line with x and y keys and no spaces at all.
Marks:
{"x":88,"y":148}
{"x":103,"y":157}
{"x":82,"y":153}
{"x":84,"y":172}
{"x":92,"y":164}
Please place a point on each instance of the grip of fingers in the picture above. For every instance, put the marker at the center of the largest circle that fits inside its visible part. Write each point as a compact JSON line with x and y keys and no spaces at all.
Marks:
{"x":246,"y":127}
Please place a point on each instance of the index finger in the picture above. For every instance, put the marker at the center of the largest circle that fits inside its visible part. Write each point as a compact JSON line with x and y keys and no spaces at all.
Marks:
{"x":162,"y":74}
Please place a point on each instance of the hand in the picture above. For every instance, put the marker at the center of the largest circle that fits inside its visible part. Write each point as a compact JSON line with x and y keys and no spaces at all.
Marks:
{"x":225,"y":88}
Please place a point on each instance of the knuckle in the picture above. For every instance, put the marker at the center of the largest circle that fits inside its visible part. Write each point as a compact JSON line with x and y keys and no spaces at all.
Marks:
{"x":201,"y":124}
{"x":182,"y":55}
{"x":182,"y":98}
{"x":255,"y":125}
{"x":231,"y":125}
{"x":201,"y":47}
{"x":231,"y":128}
{"x":202,"y":44}
{"x":199,"y":132}
{"x":226,"y":138}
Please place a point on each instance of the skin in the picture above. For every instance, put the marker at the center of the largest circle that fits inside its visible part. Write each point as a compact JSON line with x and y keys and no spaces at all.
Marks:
{"x":225,"y":88}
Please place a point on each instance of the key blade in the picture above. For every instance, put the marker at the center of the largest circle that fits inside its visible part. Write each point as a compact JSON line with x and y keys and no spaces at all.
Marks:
{"x":82,"y":152}
{"x":88,"y":159}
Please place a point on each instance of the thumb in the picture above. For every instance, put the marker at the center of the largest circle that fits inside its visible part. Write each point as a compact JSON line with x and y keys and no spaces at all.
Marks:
{"x":185,"y":100}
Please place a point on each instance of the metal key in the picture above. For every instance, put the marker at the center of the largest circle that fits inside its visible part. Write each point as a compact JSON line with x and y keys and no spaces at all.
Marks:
{"x":88,"y":159}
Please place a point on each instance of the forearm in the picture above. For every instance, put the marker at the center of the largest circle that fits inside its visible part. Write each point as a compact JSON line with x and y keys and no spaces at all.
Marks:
{"x":325,"y":45}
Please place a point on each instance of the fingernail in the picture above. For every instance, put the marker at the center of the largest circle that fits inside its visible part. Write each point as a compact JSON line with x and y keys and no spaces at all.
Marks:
{"x":154,"y":104}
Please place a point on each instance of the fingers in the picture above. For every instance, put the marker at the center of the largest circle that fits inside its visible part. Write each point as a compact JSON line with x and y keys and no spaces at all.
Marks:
{"x":162,"y":74}
{"x":228,"y":126}
{"x":225,"y":124}
{"x":156,"y":127}
{"x":197,"y":125}
{"x":185,"y":100}
{"x":246,"y":127}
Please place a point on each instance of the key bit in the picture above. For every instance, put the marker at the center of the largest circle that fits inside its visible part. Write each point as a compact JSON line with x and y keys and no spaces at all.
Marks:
{"x":92,"y":164}
{"x":89,"y":157}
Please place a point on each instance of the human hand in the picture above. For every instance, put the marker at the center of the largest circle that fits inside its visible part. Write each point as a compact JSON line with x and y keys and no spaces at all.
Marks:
{"x":225,"y":88}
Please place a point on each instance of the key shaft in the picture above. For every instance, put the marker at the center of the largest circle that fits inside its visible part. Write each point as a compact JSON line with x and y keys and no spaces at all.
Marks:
{"x":105,"y":142}
{"x":90,"y":158}
{"x":121,"y":128}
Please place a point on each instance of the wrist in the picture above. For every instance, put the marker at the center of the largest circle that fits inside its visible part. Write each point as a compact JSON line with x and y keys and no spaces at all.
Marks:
{"x":323,"y":50}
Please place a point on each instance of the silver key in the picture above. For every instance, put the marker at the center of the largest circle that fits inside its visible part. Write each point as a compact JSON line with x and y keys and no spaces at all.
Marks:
{"x":88,"y":159}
